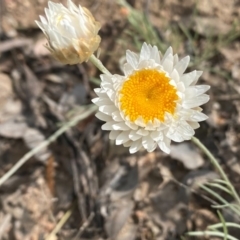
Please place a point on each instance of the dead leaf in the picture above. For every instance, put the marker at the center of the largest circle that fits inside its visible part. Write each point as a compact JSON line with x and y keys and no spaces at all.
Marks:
{"x":10,"y":109}
{"x":201,"y":219}
{"x":6,"y":88}
{"x":122,"y":180}
{"x":169,"y":211}
{"x":14,"y":43}
{"x":119,"y":214}
{"x":5,"y":224}
{"x":187,"y":154}
{"x":13,"y":128}
{"x":33,"y":138}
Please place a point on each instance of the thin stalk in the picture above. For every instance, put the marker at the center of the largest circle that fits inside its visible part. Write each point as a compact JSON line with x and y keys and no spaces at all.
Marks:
{"x":220,"y":199}
{"x":91,"y":109}
{"x":228,"y":224}
{"x":98,"y":64}
{"x":225,"y":229}
{"x":60,"y":224}
{"x":217,"y":166}
{"x":210,"y":233}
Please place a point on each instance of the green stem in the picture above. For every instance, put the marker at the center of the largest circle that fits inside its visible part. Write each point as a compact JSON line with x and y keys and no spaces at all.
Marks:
{"x":220,"y":225}
{"x":95,"y":61}
{"x":217,"y":166}
{"x":210,"y":233}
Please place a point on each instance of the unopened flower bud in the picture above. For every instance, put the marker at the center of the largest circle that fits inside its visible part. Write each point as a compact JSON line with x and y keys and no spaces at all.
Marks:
{"x":72,"y":32}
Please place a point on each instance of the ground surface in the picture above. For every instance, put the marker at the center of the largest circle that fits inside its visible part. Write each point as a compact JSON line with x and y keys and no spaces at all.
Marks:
{"x":82,"y":179}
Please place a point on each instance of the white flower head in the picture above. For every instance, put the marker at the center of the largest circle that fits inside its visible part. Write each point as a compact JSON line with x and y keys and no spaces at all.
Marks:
{"x":153,"y":103}
{"x":72,"y":32}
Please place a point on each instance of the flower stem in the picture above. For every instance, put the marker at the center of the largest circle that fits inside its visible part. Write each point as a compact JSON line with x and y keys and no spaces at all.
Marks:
{"x":210,"y":233}
{"x":95,"y":61}
{"x":217,"y":166}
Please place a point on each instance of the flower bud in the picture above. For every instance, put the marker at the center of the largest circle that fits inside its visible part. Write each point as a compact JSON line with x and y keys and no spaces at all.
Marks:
{"x":72,"y":32}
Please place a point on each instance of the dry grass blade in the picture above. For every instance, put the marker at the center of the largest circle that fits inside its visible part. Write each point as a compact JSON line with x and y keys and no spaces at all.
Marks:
{"x":89,"y":110}
{"x":60,"y":224}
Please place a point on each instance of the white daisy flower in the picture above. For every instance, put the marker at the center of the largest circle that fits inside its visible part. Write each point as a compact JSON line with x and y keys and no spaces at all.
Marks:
{"x":153,"y":103}
{"x":72,"y":32}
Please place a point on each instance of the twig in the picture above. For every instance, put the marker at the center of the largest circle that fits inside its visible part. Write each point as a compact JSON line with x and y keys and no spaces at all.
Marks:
{"x":85,"y":225}
{"x":14,"y":43}
{"x":60,"y":224}
{"x":91,"y":109}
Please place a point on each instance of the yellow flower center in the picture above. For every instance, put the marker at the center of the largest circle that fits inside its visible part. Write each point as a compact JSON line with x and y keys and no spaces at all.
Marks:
{"x":147,"y":93}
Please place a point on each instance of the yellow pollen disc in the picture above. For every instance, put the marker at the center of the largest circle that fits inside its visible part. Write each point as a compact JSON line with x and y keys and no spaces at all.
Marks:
{"x":147,"y":93}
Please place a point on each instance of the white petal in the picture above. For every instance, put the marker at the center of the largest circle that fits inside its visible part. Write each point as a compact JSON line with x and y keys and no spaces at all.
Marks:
{"x":134,"y":136}
{"x":168,"y":63}
{"x":169,"y":51}
{"x":145,"y":52}
{"x":127,"y":69}
{"x":142,"y":132}
{"x":198,"y":117}
{"x":106,"y":78}
{"x":115,"y":126}
{"x":113,"y":134}
{"x":188,"y":78}
{"x":181,"y":66}
{"x":157,"y":136}
{"x":135,"y":146}
{"x":101,"y":101}
{"x":155,"y":55}
{"x":117,"y":116}
{"x":132,"y":58}
{"x":194,"y":125}
{"x":198,"y":74}
{"x":152,"y":147}
{"x":185,"y":129}
{"x":175,"y":59}
{"x":150,"y":126}
{"x":122,"y":138}
{"x":175,"y":136}
{"x":100,"y":92}
{"x":108,"y":126}
{"x":180,"y":133}
{"x":133,"y":126}
{"x":195,"y":102}
{"x":139,"y":121}
{"x":175,"y":76}
{"x":180,"y":87}
{"x":157,"y":123}
{"x":120,"y":126}
{"x":147,"y":64}
{"x":192,"y":115}
{"x":107,"y":109}
{"x":194,"y":91}
{"x":103,"y":117}
{"x":41,"y":25}
{"x":165,"y":145}
{"x":148,"y":143}
{"x":128,"y":143}
{"x":112,"y":95}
